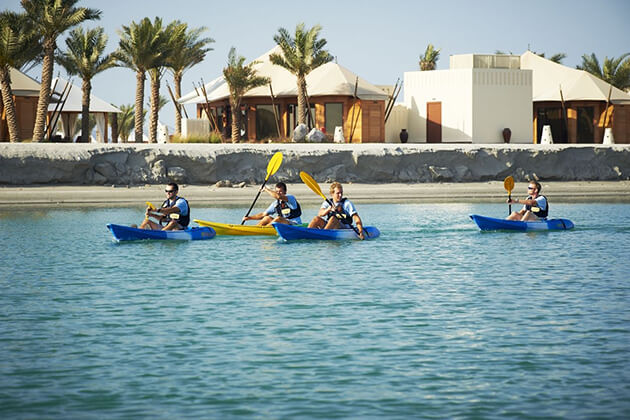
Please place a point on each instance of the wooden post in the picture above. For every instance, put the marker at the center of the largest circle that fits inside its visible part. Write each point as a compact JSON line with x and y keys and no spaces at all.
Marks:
{"x":606,"y":114}
{"x":564,"y":114}
{"x":275,"y":113}
{"x":387,"y":112}
{"x":355,"y":115}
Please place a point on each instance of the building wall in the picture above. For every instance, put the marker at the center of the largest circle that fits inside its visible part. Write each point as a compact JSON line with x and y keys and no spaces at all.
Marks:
{"x":502,"y":99}
{"x":477,"y":104}
{"x":453,"y":89}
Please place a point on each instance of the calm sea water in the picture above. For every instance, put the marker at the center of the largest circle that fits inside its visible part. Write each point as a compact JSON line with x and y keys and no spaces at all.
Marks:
{"x":432,"y":320}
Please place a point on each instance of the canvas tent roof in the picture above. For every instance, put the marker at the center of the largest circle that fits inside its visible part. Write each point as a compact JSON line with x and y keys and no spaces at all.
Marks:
{"x":75,"y":97}
{"x":22,"y":84}
{"x":328,"y":79}
{"x":576,"y":85}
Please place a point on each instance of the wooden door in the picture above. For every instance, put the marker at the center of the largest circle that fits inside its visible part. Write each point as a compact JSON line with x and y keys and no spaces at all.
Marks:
{"x":434,"y":122}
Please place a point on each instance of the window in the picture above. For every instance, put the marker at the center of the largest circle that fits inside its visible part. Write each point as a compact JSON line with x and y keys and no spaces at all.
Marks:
{"x":293,"y":118}
{"x":334,"y":117}
{"x":585,"y":131}
{"x":554,"y":118}
{"x":266,"y":122}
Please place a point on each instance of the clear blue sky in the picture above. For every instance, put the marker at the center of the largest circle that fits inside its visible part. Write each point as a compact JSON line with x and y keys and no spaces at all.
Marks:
{"x":378,"y":40}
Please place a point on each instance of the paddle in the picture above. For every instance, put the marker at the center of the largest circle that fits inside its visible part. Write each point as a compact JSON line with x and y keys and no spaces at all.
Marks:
{"x":314,"y":186}
{"x":272,"y":168}
{"x":508,"y":184}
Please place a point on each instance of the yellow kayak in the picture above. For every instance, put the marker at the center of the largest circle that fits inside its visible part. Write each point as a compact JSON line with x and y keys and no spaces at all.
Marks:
{"x":244,"y":230}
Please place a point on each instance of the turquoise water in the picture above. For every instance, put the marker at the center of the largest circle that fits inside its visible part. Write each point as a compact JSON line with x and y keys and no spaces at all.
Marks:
{"x":434,"y":319}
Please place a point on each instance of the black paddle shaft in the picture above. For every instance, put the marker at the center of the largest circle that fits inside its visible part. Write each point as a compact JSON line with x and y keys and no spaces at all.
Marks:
{"x":255,"y":199}
{"x":332,"y":206}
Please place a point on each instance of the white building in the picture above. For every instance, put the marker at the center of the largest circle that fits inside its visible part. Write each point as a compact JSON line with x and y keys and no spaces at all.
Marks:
{"x":472,"y":102}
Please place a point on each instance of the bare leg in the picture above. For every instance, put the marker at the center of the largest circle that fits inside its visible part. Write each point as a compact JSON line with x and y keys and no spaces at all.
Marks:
{"x":333,"y":223}
{"x":172,"y":225}
{"x":516,"y":215}
{"x":529,"y":216}
{"x":281,"y":220}
{"x":265,"y":221}
{"x":149,"y":224}
{"x":317,"y":222}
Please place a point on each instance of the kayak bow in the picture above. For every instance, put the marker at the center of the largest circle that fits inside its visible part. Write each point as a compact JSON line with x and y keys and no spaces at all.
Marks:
{"x":292,"y":232}
{"x":127,"y":233}
{"x":490,"y":223}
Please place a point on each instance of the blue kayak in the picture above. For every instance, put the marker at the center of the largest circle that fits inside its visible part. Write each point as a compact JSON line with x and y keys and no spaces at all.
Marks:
{"x":292,"y":232}
{"x":490,"y":223}
{"x":127,"y":233}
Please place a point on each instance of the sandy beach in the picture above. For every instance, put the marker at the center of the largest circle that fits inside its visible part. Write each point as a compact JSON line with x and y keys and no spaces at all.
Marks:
{"x":586,"y":191}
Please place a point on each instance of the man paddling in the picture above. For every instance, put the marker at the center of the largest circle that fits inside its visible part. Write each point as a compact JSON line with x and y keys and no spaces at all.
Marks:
{"x":285,"y":207}
{"x":340,"y":216}
{"x":175,"y":212}
{"x":535,"y":206}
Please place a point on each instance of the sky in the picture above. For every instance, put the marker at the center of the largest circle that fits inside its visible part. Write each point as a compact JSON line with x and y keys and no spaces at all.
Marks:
{"x":378,"y":40}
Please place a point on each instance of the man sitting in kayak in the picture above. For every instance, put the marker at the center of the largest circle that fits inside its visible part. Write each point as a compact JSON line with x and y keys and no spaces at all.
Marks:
{"x":340,"y":216}
{"x":285,"y":207}
{"x":535,"y":205}
{"x":175,"y":212}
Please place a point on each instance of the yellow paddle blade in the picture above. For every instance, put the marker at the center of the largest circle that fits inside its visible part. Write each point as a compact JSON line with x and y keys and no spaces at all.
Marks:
{"x":508,"y":184}
{"x":274,"y":164}
{"x":312,"y":184}
{"x":150,"y":205}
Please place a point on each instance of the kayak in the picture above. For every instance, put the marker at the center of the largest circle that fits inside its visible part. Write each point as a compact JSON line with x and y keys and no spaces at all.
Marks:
{"x":227,"y":229}
{"x":127,"y":233}
{"x":490,"y":223}
{"x":292,"y":232}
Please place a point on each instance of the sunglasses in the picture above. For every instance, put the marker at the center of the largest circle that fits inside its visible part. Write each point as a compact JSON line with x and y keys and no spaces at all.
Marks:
{"x":531,"y":188}
{"x":170,"y":191}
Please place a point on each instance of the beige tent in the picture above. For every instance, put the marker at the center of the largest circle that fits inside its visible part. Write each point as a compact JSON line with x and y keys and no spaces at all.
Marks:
{"x":576,"y":85}
{"x":22,"y":84}
{"x":331,"y":92}
{"x":71,"y":109}
{"x":577,"y":105}
{"x":328,"y":79}
{"x":25,"y":93}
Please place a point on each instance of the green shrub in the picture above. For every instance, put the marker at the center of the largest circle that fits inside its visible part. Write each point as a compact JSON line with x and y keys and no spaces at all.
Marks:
{"x":214,"y":137}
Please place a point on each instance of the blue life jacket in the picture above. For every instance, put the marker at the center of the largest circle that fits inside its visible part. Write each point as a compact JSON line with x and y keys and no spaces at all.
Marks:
{"x":282,"y":209}
{"x":183,"y":220}
{"x":542,"y":214}
{"x":341,"y":214}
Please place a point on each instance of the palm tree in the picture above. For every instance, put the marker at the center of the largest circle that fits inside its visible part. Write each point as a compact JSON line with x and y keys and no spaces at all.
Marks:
{"x":615,"y":71}
{"x":50,"y":19}
{"x":300,"y":55}
{"x":84,"y":57}
{"x":125,"y":121}
{"x":556,"y":58}
{"x":141,"y":48}
{"x":189,"y":49}
{"x":240,"y":79}
{"x":429,"y":59}
{"x":19,"y":45}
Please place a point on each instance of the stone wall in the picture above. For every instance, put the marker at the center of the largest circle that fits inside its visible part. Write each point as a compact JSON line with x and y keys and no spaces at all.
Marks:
{"x":87,"y":164}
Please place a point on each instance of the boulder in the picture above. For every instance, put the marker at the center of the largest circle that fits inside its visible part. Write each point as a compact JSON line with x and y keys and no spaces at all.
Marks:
{"x":300,"y":132}
{"x":315,"y":136}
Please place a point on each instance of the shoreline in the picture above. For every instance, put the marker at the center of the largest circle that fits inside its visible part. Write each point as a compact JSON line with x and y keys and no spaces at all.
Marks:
{"x":474,"y":192}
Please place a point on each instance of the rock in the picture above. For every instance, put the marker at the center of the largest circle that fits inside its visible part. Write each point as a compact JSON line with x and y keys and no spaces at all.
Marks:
{"x":239,"y":185}
{"x":106,"y":170}
{"x":315,"y":136}
{"x":158,"y":169}
{"x":226,"y":183}
{"x":176,"y":174}
{"x":299,"y":134}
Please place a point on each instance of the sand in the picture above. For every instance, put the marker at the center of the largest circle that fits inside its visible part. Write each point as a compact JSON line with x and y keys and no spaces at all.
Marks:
{"x":104,"y":196}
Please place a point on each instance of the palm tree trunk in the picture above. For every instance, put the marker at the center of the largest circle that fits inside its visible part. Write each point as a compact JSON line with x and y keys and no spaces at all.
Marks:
{"x":85,"y":111}
{"x":236,"y":121}
{"x":44,"y":91}
{"x":138,"y":113}
{"x":155,"y":103}
{"x":177,"y":80}
{"x":9,"y":105}
{"x":114,"y":127}
{"x":301,"y":99}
